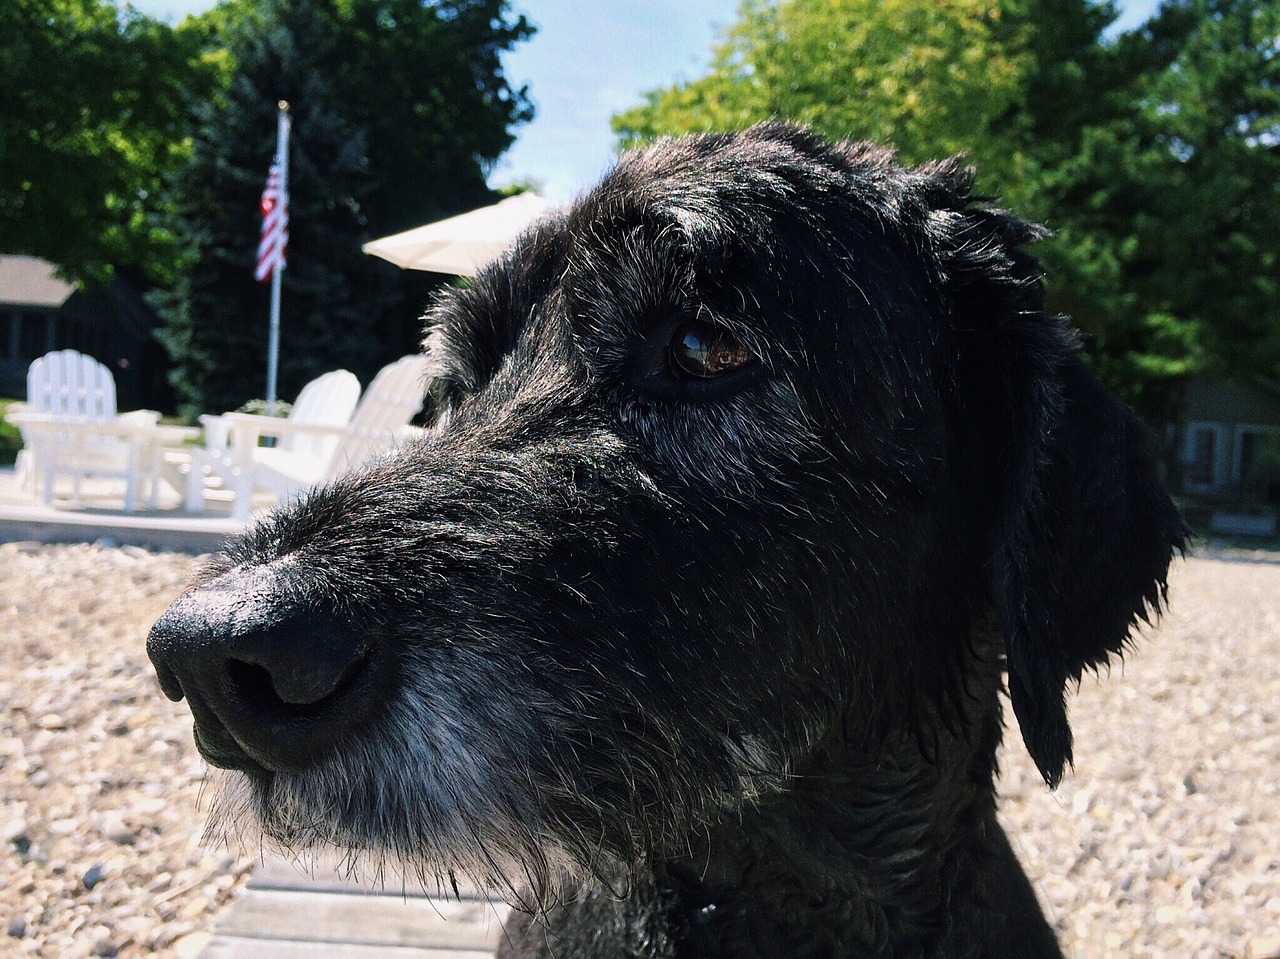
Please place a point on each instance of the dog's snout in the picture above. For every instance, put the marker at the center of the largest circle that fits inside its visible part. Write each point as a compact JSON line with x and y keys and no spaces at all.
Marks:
{"x":267,"y":673}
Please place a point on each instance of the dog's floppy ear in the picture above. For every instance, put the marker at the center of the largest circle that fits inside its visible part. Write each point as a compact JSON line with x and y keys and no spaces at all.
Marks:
{"x":1081,"y":551}
{"x":1082,"y":531}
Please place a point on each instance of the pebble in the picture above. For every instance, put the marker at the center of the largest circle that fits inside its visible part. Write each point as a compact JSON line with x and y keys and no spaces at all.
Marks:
{"x":191,"y":945}
{"x":114,"y":829}
{"x":1267,"y":947}
{"x":93,"y":875}
{"x":15,"y":831}
{"x":161,"y":882}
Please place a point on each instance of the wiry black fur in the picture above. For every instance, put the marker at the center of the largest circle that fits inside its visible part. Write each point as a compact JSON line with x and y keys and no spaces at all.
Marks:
{"x":708,"y":668}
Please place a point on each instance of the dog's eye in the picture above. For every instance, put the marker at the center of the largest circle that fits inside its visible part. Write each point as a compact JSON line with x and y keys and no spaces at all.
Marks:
{"x":704,"y":351}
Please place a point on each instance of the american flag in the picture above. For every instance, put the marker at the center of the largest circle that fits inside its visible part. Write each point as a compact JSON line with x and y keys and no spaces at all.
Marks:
{"x":275,"y":226}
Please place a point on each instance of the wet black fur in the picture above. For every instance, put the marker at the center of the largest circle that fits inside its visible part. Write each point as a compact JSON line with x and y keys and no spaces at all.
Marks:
{"x":725,"y":653}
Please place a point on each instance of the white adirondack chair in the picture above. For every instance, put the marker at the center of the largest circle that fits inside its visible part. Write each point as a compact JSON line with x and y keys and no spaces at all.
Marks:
{"x":309,"y":453}
{"x":67,"y":393}
{"x":326,"y":401}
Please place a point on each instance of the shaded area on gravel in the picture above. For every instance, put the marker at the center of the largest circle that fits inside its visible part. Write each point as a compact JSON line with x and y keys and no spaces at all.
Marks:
{"x":1164,"y":842}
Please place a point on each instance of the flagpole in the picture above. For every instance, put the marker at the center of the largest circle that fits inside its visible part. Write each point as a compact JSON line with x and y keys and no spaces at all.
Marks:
{"x":273,"y":340}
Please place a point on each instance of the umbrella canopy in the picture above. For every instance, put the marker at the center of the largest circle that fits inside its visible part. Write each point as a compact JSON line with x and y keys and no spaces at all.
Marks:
{"x":461,"y":244}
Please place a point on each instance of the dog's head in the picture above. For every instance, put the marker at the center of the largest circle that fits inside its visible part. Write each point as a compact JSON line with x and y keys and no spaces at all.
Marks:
{"x":740,"y":455}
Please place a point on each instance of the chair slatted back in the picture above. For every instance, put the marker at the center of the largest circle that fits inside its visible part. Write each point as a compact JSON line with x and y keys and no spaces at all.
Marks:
{"x":71,"y":386}
{"x":329,"y":400}
{"x":388,"y":406}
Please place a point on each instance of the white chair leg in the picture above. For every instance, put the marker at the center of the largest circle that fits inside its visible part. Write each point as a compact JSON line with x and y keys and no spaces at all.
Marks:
{"x":194,"y":500}
{"x":47,"y":486}
{"x":151,"y":459}
{"x":23,"y":470}
{"x":242,"y":506}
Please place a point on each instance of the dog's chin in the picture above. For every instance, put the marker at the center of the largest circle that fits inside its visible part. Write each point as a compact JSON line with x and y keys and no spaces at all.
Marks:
{"x":281,"y":812}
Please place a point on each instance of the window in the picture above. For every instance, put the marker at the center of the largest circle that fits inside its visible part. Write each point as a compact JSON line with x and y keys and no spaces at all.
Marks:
{"x":1203,"y":456}
{"x":35,"y":336}
{"x":1257,"y":461}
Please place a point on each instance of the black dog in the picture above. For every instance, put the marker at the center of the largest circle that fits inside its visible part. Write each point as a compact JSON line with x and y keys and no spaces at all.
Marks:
{"x":753,"y":473}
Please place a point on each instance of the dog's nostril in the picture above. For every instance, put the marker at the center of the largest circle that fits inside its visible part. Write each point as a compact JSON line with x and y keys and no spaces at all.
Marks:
{"x":252,"y":683}
{"x":306,"y":684}
{"x":170,"y":685}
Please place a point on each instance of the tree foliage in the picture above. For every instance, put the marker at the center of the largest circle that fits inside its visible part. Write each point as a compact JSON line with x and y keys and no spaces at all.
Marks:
{"x":1154,"y":155}
{"x":399,"y":109}
{"x":1212,"y":242}
{"x":95,"y":111}
{"x":927,"y":76}
{"x":1162,"y":202}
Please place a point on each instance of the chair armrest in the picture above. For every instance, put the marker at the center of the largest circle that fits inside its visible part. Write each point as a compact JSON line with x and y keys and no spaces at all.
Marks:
{"x":217,"y":432}
{"x":130,"y":419}
{"x":139,"y":417}
{"x":27,"y":418}
{"x":275,"y":426}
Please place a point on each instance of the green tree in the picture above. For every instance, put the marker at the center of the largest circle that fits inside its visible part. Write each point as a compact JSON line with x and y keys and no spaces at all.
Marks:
{"x":1152,"y":155}
{"x":374,"y":85}
{"x":95,"y":111}
{"x":929,"y":76}
{"x":1211,"y":246}
{"x":1166,"y":204}
{"x":1092,"y":172}
{"x":425,"y":82}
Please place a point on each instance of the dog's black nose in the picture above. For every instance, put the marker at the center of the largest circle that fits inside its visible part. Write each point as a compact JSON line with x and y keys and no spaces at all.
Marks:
{"x":274,"y":680}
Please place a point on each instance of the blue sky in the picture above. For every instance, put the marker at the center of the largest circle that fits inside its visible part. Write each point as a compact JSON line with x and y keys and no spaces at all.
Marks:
{"x":589,"y":60}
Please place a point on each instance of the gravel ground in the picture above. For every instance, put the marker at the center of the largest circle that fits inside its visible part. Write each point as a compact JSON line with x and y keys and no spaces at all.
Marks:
{"x":1164,"y":842}
{"x":1166,"y":839}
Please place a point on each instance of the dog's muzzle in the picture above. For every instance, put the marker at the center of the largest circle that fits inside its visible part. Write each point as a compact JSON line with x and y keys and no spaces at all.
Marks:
{"x":274,"y":682}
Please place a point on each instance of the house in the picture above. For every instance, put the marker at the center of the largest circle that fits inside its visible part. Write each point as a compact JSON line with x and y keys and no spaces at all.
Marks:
{"x":30,"y":298}
{"x":1230,"y":444}
{"x":40,"y":312}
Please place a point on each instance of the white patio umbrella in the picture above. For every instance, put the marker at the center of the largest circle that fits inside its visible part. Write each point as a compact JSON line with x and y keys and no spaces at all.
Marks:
{"x":464,"y":243}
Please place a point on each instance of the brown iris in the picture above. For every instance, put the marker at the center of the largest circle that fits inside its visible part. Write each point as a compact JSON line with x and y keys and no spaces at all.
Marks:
{"x":705,"y":351}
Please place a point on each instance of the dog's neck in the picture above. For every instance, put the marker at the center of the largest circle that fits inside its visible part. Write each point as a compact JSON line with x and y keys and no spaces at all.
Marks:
{"x":856,"y":853}
{"x":891,"y":849}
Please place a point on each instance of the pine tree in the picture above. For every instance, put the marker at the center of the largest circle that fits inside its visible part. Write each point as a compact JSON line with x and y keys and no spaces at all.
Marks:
{"x":1212,"y":244}
{"x":340,"y":308}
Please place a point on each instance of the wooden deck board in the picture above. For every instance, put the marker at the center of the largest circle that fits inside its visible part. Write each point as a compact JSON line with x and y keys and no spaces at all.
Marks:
{"x":230,"y":947}
{"x":276,"y":873}
{"x":285,"y":914}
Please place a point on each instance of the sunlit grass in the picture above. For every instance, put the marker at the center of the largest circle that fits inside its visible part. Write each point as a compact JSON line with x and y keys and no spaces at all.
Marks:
{"x":10,"y":438}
